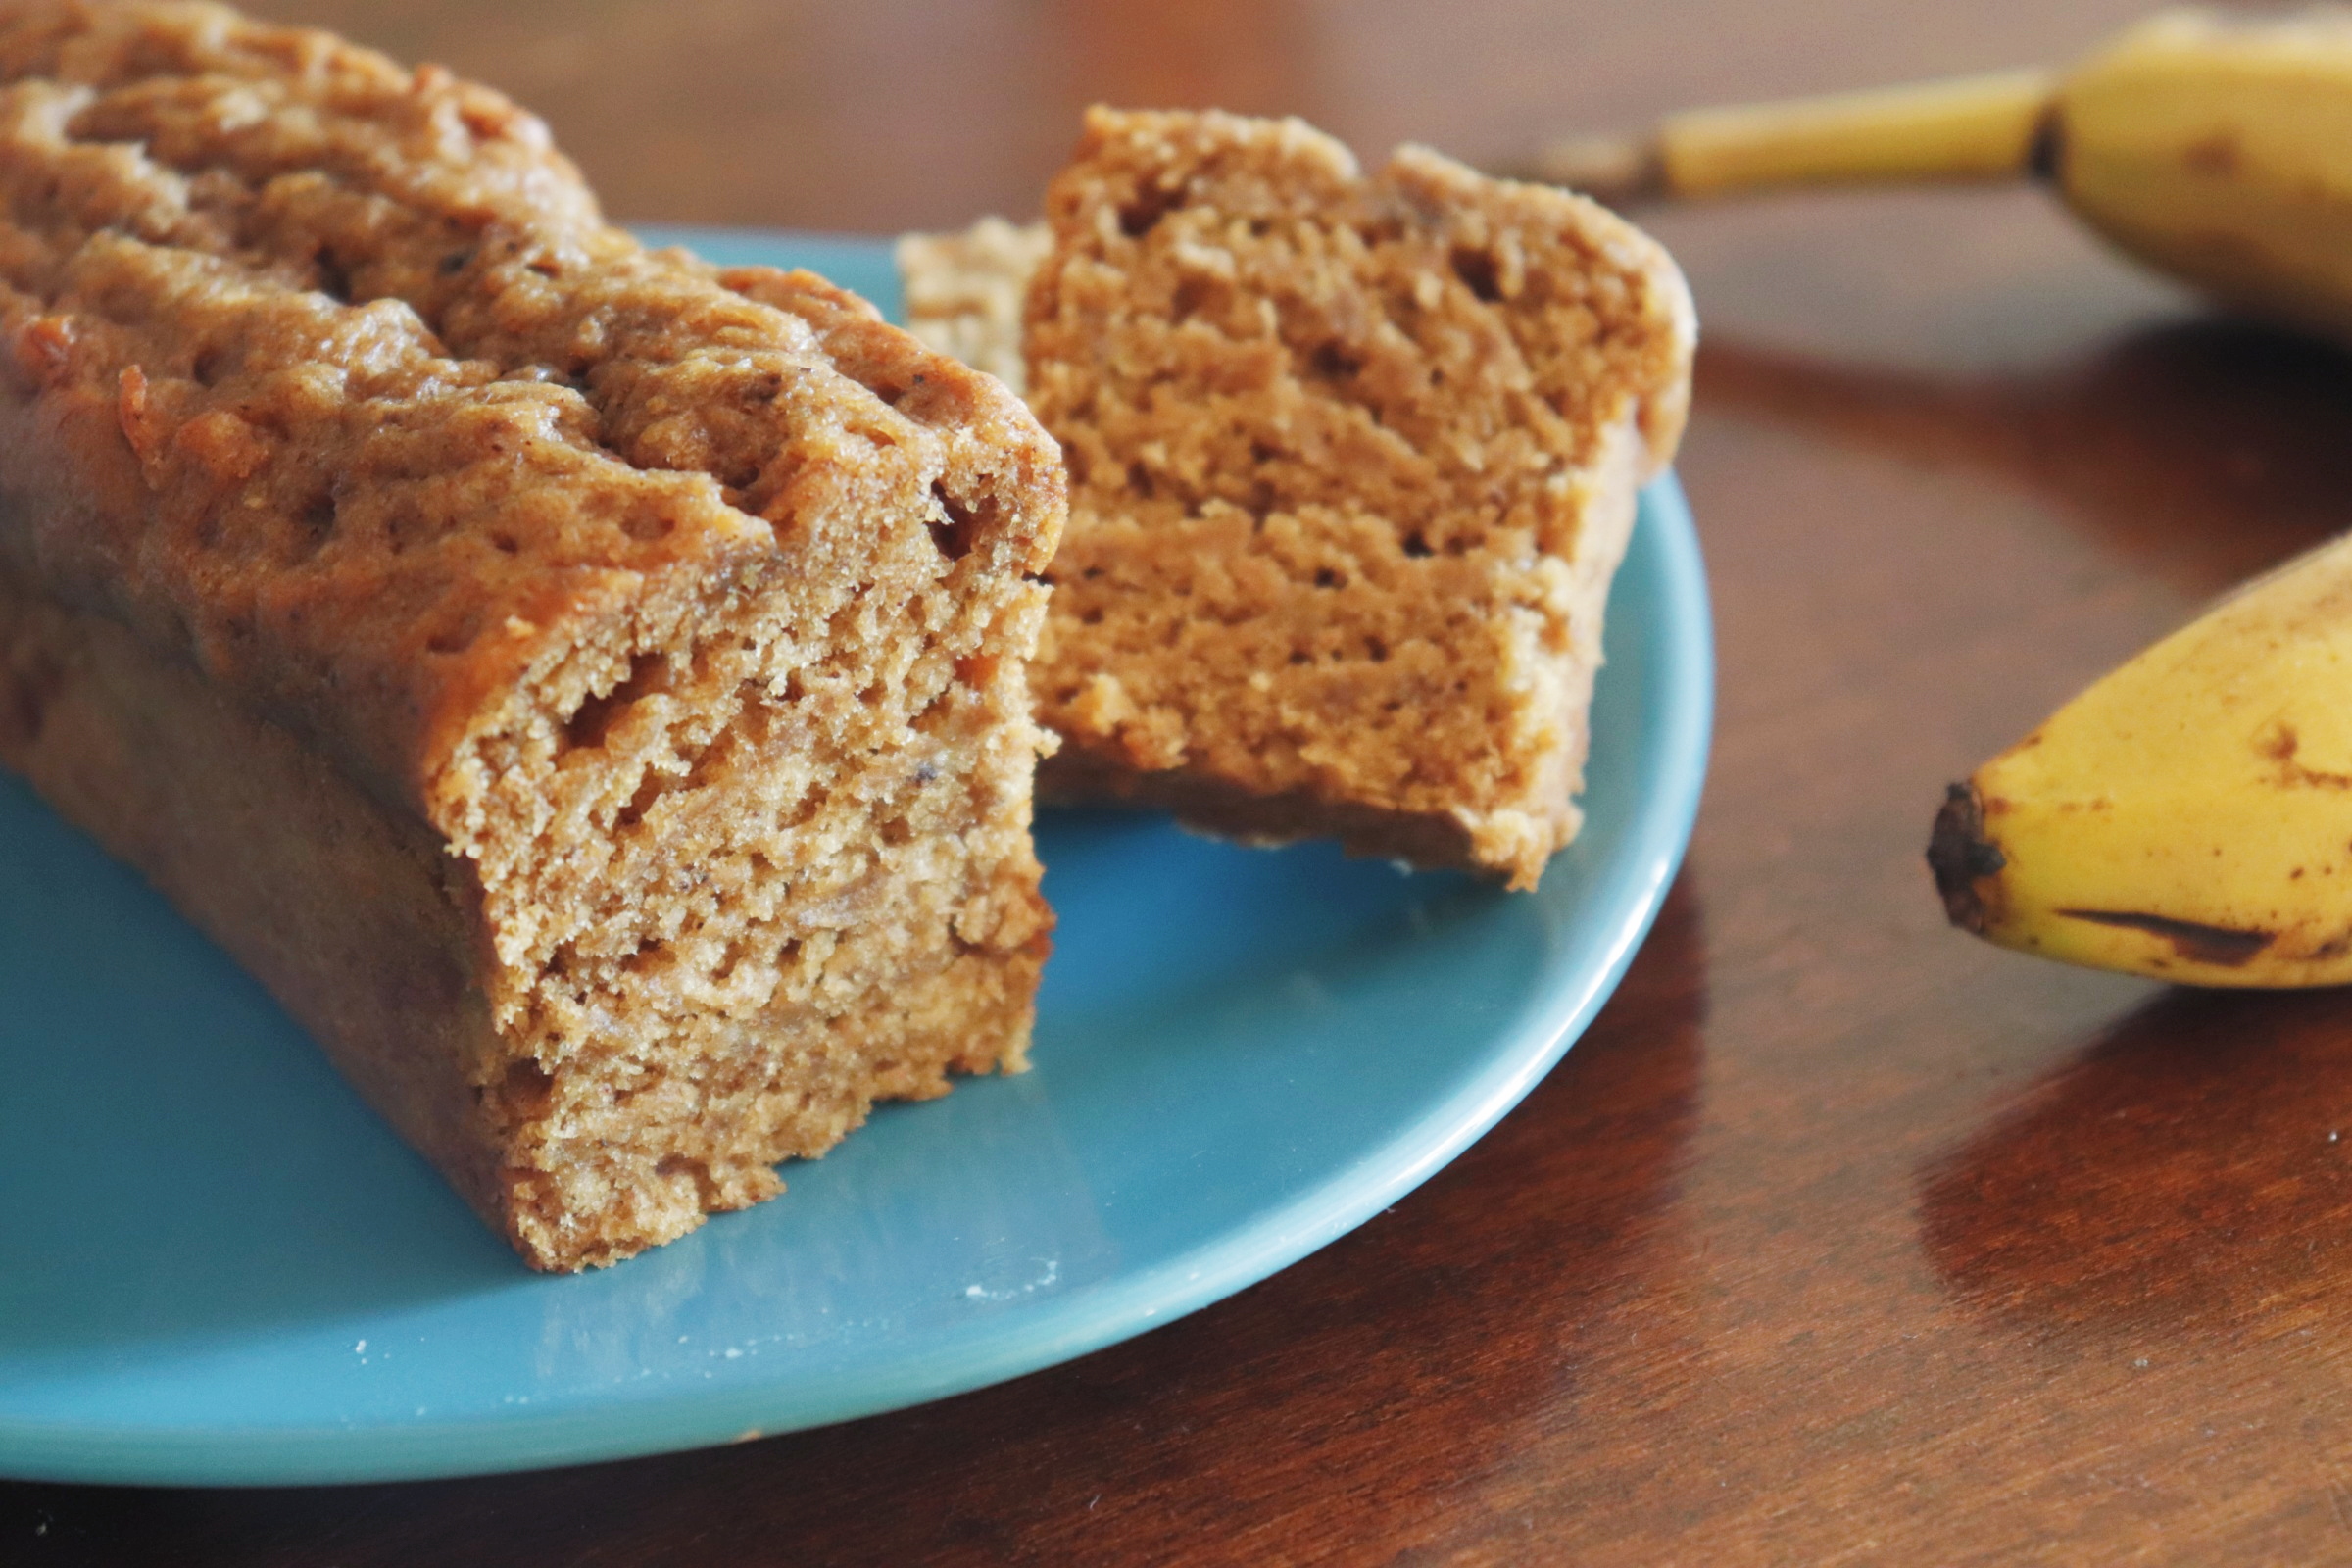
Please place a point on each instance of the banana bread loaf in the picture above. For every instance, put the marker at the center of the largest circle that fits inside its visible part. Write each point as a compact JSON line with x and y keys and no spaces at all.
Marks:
{"x":1352,"y":462}
{"x":588,"y":687}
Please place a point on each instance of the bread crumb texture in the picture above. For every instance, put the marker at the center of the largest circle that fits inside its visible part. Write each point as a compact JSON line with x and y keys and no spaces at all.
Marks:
{"x":1351,"y":461}
{"x":965,"y":292}
{"x":683,"y":613}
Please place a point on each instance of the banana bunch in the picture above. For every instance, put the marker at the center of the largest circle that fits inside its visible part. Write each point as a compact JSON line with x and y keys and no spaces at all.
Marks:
{"x":2190,"y":816}
{"x":2218,"y":149}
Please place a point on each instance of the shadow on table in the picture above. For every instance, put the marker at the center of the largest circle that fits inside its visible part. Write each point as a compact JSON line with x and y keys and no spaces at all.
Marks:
{"x":1439,"y":1340}
{"x":2207,"y":449}
{"x":2192,"y":1169}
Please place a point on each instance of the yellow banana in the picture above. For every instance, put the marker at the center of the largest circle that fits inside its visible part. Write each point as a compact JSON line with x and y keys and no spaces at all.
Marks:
{"x":2217,"y":148}
{"x":2190,"y":816}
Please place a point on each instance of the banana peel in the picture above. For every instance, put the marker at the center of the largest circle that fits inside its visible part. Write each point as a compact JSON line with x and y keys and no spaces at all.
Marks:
{"x":2219,"y":151}
{"x":2190,"y":816}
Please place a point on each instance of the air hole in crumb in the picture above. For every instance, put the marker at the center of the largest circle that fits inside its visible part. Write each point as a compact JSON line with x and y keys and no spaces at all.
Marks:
{"x":1376,"y":650}
{"x":598,"y":714}
{"x":898,"y":830}
{"x":335,"y":278}
{"x":1299,"y":656}
{"x":1334,"y":363}
{"x":642,"y":802}
{"x":526,"y":1089}
{"x":1476,"y":269}
{"x":810,"y":807}
{"x":671,"y":1167}
{"x":1139,"y":481}
{"x":1416,"y":545}
{"x":958,"y":528}
{"x":719,"y":760}
{"x":455,"y":262}
{"x":318,"y":514}
{"x":206,"y":368}
{"x":1151,"y":205}
{"x":1091,"y":615}
{"x":648,"y":522}
{"x":506,"y":543}
{"x":1325,"y":577}
{"x":454,"y":639}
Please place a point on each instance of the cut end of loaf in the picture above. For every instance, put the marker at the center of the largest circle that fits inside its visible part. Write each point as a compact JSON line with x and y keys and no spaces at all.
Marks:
{"x":1352,"y":462}
{"x":748,"y":867}
{"x":757,"y":854}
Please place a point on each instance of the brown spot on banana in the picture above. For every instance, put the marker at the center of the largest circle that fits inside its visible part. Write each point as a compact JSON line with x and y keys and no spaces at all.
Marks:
{"x":2218,"y":154}
{"x":2223,"y":947}
{"x":1961,"y":855}
{"x":2280,"y":743}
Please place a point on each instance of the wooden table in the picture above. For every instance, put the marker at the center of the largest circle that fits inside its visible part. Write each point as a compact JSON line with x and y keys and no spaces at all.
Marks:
{"x":1840,"y":1237}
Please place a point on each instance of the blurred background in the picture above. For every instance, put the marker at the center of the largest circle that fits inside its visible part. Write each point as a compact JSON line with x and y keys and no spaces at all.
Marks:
{"x":898,"y":113}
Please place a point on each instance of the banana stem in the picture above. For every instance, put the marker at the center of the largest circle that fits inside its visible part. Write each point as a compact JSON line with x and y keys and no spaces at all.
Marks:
{"x":1969,"y":129}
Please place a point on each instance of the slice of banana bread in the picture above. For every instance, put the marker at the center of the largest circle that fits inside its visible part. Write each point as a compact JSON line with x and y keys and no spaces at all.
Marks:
{"x":965,"y":291}
{"x":1352,"y":464}
{"x":588,"y":687}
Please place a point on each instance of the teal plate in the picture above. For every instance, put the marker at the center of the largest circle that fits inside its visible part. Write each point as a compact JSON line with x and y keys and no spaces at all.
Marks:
{"x":217,"y":1267}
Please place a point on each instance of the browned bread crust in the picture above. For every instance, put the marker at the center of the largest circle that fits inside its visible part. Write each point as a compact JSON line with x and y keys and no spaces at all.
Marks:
{"x":663,"y":629}
{"x":1352,"y":460}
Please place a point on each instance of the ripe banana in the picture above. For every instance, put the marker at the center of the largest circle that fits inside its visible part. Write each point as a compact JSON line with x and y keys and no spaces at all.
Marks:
{"x":2217,"y":148}
{"x":2190,"y":816}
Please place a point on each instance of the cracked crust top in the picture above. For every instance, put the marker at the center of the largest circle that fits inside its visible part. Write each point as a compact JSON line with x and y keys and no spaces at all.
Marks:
{"x":327,"y":375}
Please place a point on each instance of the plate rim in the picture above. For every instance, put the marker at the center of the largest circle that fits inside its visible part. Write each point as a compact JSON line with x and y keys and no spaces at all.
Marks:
{"x":1656,"y":839}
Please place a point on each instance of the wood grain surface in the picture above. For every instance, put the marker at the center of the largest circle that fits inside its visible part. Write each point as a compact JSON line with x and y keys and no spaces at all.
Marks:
{"x":1841,"y":1237}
